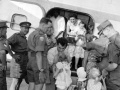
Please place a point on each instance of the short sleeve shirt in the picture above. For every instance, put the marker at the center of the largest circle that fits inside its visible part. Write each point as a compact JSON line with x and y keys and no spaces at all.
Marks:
{"x":36,"y":41}
{"x":18,"y":42}
{"x":72,"y":27}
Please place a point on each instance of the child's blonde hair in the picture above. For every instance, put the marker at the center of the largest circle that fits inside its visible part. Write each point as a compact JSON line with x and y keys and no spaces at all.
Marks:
{"x":94,"y":73}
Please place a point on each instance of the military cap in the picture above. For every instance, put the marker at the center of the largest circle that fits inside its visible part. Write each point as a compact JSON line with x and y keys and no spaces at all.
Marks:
{"x":25,"y":24}
{"x":3,"y":24}
{"x":103,"y":25}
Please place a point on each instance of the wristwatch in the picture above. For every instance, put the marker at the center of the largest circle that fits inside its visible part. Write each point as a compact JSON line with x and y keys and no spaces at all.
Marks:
{"x":41,"y":70}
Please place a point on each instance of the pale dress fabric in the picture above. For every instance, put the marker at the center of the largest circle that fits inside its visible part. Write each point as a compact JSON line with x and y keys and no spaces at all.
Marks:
{"x":79,"y":51}
{"x":63,"y":80}
{"x":58,"y":25}
{"x":92,"y":85}
{"x":76,"y":51}
{"x":81,"y":74}
{"x":72,"y":27}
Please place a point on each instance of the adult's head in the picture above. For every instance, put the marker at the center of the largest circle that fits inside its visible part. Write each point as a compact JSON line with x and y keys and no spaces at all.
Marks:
{"x":3,"y":29}
{"x":106,"y":28}
{"x":56,"y":13}
{"x":45,"y":25}
{"x":61,"y":44}
{"x":24,"y":26}
{"x":73,"y":18}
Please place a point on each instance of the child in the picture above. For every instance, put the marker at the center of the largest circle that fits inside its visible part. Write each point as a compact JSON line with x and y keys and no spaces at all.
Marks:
{"x":62,"y":74}
{"x":81,"y":78}
{"x":94,"y":82}
{"x":79,"y":51}
{"x":80,"y":40}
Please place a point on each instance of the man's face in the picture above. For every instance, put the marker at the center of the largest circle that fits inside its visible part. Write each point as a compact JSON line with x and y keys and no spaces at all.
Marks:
{"x":4,"y":32}
{"x":61,"y":48}
{"x":105,"y":32}
{"x":48,"y":28}
{"x":25,"y":30}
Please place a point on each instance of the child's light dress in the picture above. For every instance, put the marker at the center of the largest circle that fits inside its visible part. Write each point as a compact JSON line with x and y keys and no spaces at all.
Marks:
{"x":93,"y":85}
{"x":63,"y":80}
{"x":76,"y":51}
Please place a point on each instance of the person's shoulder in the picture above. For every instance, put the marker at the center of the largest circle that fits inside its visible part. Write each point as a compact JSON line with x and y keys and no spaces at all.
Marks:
{"x":35,"y":32}
{"x":52,"y":50}
{"x":15,"y":35}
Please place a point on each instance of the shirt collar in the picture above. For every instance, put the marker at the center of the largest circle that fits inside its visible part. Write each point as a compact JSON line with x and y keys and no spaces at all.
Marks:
{"x":40,"y":31}
{"x":22,"y":35}
{"x":112,"y":39}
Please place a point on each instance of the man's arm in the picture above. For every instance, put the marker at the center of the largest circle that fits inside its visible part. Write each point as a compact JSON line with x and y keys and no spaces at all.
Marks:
{"x":68,"y":28}
{"x":3,"y":60}
{"x":50,"y":57}
{"x":117,"y":41}
{"x":39,"y":60}
{"x":11,"y":41}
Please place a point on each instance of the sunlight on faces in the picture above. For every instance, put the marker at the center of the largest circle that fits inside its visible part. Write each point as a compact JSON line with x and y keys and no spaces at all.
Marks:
{"x":61,"y":48}
{"x":46,"y":27}
{"x":25,"y":30}
{"x":50,"y":30}
{"x":73,"y":20}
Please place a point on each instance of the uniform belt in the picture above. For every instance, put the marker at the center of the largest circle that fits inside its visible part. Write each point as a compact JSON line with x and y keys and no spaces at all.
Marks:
{"x":23,"y":53}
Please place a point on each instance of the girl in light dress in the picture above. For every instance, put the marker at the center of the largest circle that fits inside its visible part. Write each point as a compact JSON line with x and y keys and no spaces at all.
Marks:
{"x":76,"y":49}
{"x":96,"y":81}
{"x":62,"y":74}
{"x":81,"y":83}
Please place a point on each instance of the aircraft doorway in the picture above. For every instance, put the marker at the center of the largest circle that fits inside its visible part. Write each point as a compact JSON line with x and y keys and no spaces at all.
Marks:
{"x":84,"y":17}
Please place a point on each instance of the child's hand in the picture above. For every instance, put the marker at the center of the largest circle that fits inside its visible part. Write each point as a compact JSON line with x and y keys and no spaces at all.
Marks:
{"x":104,"y":73}
{"x":60,"y":70}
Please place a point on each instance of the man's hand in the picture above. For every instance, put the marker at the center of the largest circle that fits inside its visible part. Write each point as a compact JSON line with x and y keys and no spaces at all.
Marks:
{"x":3,"y":67}
{"x":61,"y":54}
{"x":104,"y":72}
{"x":42,"y":77}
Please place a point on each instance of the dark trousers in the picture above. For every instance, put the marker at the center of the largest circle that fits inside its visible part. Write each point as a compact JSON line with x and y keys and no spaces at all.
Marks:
{"x":51,"y":85}
{"x":23,"y":64}
{"x":3,"y":84}
{"x":23,"y":76}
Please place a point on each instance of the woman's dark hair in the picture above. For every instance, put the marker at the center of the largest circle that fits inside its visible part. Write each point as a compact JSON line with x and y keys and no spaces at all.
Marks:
{"x":62,"y":41}
{"x":73,"y":15}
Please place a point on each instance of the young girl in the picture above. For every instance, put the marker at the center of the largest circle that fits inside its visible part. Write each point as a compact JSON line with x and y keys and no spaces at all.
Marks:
{"x":76,"y":49}
{"x":81,"y":84}
{"x":94,"y":82}
{"x":62,"y":74}
{"x":80,"y":40}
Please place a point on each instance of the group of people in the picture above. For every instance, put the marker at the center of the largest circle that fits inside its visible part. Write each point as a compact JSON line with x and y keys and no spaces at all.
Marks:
{"x":43,"y":59}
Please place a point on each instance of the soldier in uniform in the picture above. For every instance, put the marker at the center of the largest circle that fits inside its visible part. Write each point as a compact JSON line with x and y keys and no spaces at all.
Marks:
{"x":3,"y":52}
{"x":36,"y":43}
{"x":17,"y":43}
{"x":113,"y":78}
